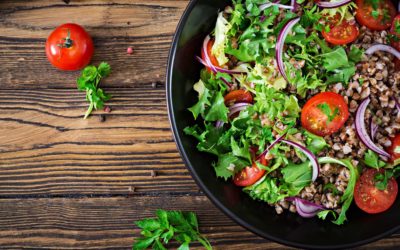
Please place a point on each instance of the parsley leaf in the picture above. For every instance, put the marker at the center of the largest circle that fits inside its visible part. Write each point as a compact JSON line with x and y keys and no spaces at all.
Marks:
{"x":373,"y":3}
{"x":355,"y":54}
{"x":372,"y":160}
{"x":397,"y":26}
{"x":89,"y":81}
{"x":375,"y":14}
{"x":324,"y":213}
{"x":381,"y":179}
{"x":326,"y":109}
{"x":314,"y":143}
{"x":179,"y":226}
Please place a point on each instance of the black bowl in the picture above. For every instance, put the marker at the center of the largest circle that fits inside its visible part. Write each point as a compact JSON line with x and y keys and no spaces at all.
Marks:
{"x":290,"y":229}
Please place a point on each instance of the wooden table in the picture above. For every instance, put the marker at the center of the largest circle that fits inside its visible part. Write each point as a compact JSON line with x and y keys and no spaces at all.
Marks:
{"x":66,"y":182}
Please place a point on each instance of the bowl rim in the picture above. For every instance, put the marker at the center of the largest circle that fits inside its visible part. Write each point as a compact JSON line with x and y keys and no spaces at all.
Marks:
{"x":208,"y":192}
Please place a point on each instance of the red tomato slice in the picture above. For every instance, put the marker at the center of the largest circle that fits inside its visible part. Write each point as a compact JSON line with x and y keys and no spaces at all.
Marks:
{"x":394,"y":150}
{"x":250,"y":175}
{"x":239,"y":95}
{"x":340,"y":32}
{"x":369,"y":198}
{"x":395,"y":31}
{"x":69,"y":47}
{"x":384,"y":14}
{"x":324,"y":113}
{"x":213,"y":59}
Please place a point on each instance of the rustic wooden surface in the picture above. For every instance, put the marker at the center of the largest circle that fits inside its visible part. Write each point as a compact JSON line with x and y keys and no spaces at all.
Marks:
{"x":69,"y":183}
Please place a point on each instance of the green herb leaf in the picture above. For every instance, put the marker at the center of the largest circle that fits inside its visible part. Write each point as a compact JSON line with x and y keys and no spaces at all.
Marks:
{"x":141,"y":244}
{"x":372,"y":160}
{"x":326,"y":109}
{"x":335,"y":59}
{"x":88,"y":81}
{"x":266,"y":189}
{"x":324,"y":213}
{"x":218,"y":111}
{"x":347,"y":197}
{"x":314,"y":143}
{"x":104,"y":69}
{"x":200,"y":107}
{"x":355,"y":54}
{"x":375,"y":14}
{"x":228,"y":165}
{"x":296,"y":177}
{"x":177,"y":225}
{"x":148,"y":224}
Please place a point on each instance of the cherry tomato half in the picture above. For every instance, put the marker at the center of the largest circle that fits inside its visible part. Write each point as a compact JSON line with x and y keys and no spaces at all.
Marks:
{"x":394,"y":149}
{"x":250,"y":175}
{"x":369,"y":198}
{"x":239,"y":95}
{"x":395,"y":31}
{"x":324,"y":113}
{"x":341,"y":32}
{"x":69,"y":47}
{"x":213,"y":59}
{"x":378,"y":17}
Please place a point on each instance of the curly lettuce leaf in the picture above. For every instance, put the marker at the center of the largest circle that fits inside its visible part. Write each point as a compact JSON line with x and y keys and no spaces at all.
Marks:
{"x":348,"y":194}
{"x":204,"y":95}
{"x":221,"y":30}
{"x":266,"y":189}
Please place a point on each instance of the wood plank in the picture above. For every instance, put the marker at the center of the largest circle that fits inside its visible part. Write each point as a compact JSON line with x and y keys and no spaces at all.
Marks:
{"x":147,"y":27}
{"x":108,"y":223}
{"x":48,"y":149}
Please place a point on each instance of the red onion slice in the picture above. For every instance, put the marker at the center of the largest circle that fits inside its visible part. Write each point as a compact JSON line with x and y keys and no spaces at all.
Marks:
{"x":306,"y":208}
{"x":280,"y":42}
{"x":295,"y":5}
{"x":206,"y":57}
{"x":382,"y":47}
{"x":373,"y":129}
{"x":271,"y":146}
{"x":281,"y":6}
{"x":331,"y":5}
{"x":219,"y":124}
{"x":309,"y":154}
{"x":207,"y":61}
{"x":237,"y":107}
{"x":362,"y":131}
{"x":226,"y":82}
{"x":219,"y":69}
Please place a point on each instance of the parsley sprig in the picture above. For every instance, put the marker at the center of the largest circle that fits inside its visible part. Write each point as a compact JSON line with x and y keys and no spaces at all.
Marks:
{"x":89,"y":82}
{"x":180,"y":226}
{"x":324,"y":107}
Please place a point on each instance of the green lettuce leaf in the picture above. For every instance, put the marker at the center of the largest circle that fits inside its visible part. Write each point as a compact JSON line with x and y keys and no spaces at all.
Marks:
{"x":222,"y":27}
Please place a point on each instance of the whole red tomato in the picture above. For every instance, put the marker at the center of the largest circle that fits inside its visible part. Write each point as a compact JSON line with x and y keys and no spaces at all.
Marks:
{"x":69,"y":47}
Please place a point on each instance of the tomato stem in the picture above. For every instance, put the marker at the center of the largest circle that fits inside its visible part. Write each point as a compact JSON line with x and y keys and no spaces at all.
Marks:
{"x":67,"y":42}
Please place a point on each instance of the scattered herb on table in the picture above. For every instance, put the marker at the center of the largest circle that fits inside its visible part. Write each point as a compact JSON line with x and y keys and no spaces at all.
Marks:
{"x":179,"y":226}
{"x":89,"y":82}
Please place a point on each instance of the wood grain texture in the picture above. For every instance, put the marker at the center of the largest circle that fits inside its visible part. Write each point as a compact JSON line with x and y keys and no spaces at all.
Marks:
{"x":48,"y":149}
{"x":146,"y":26}
{"x":108,"y":223}
{"x":69,"y":183}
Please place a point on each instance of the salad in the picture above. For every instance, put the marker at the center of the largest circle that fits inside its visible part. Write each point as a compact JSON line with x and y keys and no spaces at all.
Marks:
{"x":298,"y":101}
